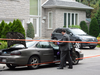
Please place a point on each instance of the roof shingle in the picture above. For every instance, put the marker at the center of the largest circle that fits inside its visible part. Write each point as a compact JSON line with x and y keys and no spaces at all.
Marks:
{"x":65,"y":4}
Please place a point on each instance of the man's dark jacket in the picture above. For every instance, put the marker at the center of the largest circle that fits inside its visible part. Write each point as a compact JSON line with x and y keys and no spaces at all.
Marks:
{"x":64,"y":46}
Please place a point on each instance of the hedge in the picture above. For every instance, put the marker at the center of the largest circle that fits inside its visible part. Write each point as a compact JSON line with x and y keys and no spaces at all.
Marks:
{"x":3,"y":45}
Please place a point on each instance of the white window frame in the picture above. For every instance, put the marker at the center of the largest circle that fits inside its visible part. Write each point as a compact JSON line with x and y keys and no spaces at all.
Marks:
{"x":51,"y":20}
{"x":39,"y":2}
{"x":71,"y":18}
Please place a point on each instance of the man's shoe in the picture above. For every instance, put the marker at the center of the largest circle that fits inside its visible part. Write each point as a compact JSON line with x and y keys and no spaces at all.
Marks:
{"x":60,"y":68}
{"x":70,"y":67}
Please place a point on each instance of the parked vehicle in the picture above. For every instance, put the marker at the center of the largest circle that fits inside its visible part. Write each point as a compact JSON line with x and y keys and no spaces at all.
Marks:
{"x":34,"y":52}
{"x":76,"y":35}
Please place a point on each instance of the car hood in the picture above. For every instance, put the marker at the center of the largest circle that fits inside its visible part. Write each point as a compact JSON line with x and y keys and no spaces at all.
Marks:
{"x":15,"y":35}
{"x":87,"y":37}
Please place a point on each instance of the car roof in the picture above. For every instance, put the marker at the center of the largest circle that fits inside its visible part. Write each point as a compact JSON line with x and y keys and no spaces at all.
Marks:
{"x":65,"y":28}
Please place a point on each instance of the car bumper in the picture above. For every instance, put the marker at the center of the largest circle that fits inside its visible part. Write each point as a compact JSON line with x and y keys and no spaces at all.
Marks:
{"x":17,"y":60}
{"x":81,"y":56}
{"x":89,"y":44}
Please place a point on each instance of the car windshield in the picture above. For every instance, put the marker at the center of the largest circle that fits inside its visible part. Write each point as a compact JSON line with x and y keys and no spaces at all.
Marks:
{"x":28,"y":44}
{"x":78,"y":32}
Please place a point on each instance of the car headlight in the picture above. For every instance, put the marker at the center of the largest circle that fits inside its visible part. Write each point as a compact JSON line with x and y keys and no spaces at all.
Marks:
{"x":84,"y":39}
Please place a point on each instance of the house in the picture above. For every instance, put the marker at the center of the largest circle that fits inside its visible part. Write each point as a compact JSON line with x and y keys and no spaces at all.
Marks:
{"x":45,"y":15}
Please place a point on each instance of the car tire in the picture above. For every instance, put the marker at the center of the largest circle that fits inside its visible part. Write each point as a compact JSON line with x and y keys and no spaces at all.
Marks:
{"x":92,"y":47}
{"x":10,"y":66}
{"x":33,"y":60}
{"x":75,"y":59}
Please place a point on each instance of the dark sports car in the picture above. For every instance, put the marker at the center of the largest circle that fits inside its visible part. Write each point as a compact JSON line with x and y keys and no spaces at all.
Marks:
{"x":25,"y":53}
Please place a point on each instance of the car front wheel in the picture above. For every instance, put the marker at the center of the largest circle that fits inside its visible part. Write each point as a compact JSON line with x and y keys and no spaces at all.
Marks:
{"x":92,"y":47}
{"x":33,"y":62}
{"x":78,"y":45}
{"x":75,"y":59}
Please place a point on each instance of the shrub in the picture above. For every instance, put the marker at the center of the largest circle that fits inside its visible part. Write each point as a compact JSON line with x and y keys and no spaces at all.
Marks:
{"x":75,"y":26}
{"x":17,"y":27}
{"x":5,"y":31}
{"x":98,"y":15}
{"x":94,"y":27}
{"x":3,"y":45}
{"x":30,"y":31}
{"x":2,"y":25}
{"x":98,"y":38}
{"x":84,"y":26}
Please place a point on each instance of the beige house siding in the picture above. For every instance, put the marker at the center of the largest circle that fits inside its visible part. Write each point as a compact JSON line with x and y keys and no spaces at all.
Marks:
{"x":58,"y":18}
{"x":20,"y":9}
{"x":15,"y":9}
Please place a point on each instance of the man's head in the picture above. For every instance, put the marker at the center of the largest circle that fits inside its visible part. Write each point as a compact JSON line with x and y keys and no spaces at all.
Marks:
{"x":63,"y":31}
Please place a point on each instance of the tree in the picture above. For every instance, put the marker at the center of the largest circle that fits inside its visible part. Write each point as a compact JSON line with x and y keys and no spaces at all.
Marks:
{"x":83,"y":26}
{"x":2,"y":25}
{"x":5,"y":31}
{"x":17,"y":27}
{"x":98,"y":15}
{"x":94,"y":27}
{"x":30,"y":31}
{"x":91,"y":3}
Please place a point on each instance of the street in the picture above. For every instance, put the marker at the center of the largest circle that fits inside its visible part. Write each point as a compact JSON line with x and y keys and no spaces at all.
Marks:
{"x":88,"y":66}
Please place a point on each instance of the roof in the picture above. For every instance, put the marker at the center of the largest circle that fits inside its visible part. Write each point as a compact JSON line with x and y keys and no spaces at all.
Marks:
{"x":65,"y":4}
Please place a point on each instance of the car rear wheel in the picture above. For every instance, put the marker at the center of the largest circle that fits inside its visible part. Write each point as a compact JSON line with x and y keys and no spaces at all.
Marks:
{"x":34,"y":62}
{"x":92,"y":47}
{"x":75,"y":59}
{"x":10,"y":66}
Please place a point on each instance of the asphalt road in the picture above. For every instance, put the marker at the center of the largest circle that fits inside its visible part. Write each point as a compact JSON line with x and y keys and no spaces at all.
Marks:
{"x":88,"y":66}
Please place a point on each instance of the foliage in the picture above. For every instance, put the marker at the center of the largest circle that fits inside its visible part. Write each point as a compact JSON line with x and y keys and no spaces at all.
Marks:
{"x":17,"y":27}
{"x":3,"y":45}
{"x":94,"y":27}
{"x":98,"y":17}
{"x":91,"y":3}
{"x":30,"y":31}
{"x":83,"y":26}
{"x":2,"y":25}
{"x":5,"y":31}
{"x":75,"y":26}
{"x":98,"y":38}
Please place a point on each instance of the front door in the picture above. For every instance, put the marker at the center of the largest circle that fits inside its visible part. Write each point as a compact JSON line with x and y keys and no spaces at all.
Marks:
{"x":35,"y":22}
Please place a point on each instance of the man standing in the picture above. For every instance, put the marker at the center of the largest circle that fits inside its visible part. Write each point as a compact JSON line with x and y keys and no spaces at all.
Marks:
{"x":65,"y":51}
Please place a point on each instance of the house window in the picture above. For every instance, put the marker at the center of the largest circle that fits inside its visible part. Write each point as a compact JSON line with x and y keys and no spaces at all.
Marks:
{"x":64,"y":19}
{"x":76,"y":19}
{"x":50,"y":20}
{"x":70,"y":19}
{"x":34,"y":7}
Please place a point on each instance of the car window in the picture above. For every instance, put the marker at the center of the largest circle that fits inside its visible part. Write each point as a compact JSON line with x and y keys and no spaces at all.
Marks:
{"x":54,"y":46}
{"x":78,"y":31}
{"x":58,"y":31}
{"x":43,"y":45}
{"x":68,"y":31}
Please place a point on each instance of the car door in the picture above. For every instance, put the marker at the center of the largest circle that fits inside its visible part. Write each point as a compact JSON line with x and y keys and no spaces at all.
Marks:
{"x":46,"y":51}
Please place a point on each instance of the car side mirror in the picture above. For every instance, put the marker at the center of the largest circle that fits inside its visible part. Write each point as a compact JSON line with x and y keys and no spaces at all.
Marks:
{"x":71,"y":34}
